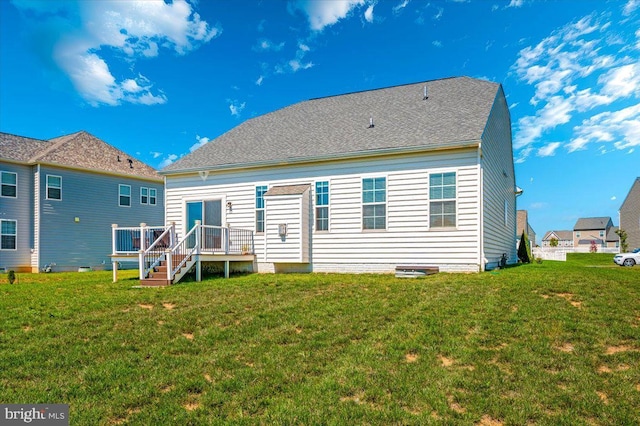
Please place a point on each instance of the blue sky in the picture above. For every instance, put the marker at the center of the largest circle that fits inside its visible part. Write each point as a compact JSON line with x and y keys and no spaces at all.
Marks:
{"x":158,"y":79}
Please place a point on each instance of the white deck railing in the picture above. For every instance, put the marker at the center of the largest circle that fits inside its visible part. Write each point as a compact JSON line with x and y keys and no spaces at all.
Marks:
{"x":157,"y":244}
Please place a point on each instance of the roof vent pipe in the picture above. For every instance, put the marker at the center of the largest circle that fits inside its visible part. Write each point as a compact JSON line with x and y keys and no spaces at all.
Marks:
{"x":371,"y":122}
{"x":425,"y":97}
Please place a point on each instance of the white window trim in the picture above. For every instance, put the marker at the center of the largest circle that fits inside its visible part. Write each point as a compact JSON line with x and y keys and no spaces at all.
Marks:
{"x":120,"y":185}
{"x":142,"y":188}
{"x":429,"y":200}
{"x":263,"y":209}
{"x":16,"y":185}
{"x":386,"y":202}
{"x":328,"y":206}
{"x":46,"y":189}
{"x":16,"y":234}
{"x":155,"y":197}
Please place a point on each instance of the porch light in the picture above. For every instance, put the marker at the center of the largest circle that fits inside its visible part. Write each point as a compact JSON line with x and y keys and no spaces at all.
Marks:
{"x":229,"y":206}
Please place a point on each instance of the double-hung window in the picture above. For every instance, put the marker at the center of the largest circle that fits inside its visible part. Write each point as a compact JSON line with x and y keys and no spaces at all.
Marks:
{"x":54,"y":187}
{"x":124,"y":195}
{"x":148,"y":196}
{"x":260,"y":190}
{"x":8,"y":234}
{"x":374,"y":203}
{"x":442,"y":195}
{"x":9,"y":183}
{"x":322,"y":206}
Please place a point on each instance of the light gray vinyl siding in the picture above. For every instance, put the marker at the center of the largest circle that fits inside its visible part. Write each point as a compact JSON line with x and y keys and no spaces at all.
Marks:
{"x":293,"y":211}
{"x":19,"y":209}
{"x":76,"y":230}
{"x":630,"y":215}
{"x":498,"y":185}
{"x":346,"y":247}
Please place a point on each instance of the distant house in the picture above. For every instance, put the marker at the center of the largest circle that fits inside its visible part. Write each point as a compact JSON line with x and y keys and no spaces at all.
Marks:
{"x":630,"y":215}
{"x":590,"y":230}
{"x":523,"y":225}
{"x":564,"y":239}
{"x":59,"y":198}
{"x":419,"y":174}
{"x":613,"y":239}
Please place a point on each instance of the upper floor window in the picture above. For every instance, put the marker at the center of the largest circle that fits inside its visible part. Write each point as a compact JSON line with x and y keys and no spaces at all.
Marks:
{"x":54,"y":187}
{"x":374,"y":203}
{"x":9,"y":183}
{"x":322,"y":206}
{"x":260,"y":190}
{"x":144,"y":195}
{"x":124,"y":195}
{"x":8,"y":234}
{"x":601,"y":234}
{"x":442,"y":193}
{"x":152,"y":196}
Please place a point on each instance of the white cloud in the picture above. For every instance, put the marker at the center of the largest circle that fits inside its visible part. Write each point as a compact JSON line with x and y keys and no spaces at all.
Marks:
{"x":571,"y":75}
{"x":630,"y":7}
{"x":368,"y":14}
{"x":296,"y":65}
{"x":82,"y":32}
{"x":516,"y":3}
{"x":236,"y":108}
{"x":613,"y":198}
{"x":201,"y":141}
{"x":438,"y":15}
{"x":398,"y":8}
{"x":156,"y":154}
{"x":167,"y":160}
{"x":259,"y":80}
{"x":549,"y":150}
{"x":324,"y":13}
{"x":437,"y":43}
{"x":267,"y":45}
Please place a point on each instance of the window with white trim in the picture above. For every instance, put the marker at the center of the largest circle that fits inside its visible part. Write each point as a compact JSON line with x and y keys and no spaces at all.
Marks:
{"x":442,"y":195}
{"x":374,"y":203}
{"x":148,"y":196}
{"x":9,"y":183}
{"x":322,"y":206}
{"x":124,"y":195}
{"x":260,"y":190}
{"x":54,"y":187}
{"x":8,"y":234}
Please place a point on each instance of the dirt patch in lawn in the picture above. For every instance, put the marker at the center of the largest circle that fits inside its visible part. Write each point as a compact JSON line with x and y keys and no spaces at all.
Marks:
{"x":411,"y":357}
{"x":446,"y":362}
{"x":487,"y":420}
{"x":188,"y":336}
{"x":569,"y":298}
{"x":566,"y":347}
{"x":612,"y":350}
{"x":145,"y":306}
{"x":168,"y":306}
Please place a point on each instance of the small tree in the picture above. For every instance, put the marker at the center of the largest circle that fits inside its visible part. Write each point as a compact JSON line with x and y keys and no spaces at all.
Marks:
{"x":524,"y":249}
{"x":553,"y":242}
{"x":12,"y":277}
{"x":593,"y":248}
{"x":624,"y":247}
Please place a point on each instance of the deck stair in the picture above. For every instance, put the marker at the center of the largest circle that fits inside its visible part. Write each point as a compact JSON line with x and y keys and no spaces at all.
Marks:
{"x":157,"y":277}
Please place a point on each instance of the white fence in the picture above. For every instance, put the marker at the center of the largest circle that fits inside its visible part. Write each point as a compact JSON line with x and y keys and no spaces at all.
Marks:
{"x":560,"y":253}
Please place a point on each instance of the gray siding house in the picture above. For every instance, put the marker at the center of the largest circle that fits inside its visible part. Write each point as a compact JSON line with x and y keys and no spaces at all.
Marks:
{"x":630,"y":215}
{"x":59,"y":198}
{"x":592,"y":230}
{"x":418,"y":174}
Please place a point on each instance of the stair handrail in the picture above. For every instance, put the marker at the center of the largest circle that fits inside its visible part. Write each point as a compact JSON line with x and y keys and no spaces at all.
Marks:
{"x":171,"y":252}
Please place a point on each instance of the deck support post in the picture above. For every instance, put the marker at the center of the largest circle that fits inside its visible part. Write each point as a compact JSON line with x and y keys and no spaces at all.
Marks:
{"x":114,"y":268}
{"x":226,"y":269}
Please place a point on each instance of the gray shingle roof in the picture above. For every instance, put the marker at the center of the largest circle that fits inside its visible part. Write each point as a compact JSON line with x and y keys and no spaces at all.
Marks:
{"x":79,"y":150}
{"x":562,"y":235}
{"x":454,"y":115}
{"x":591,"y":223}
{"x":287,"y":190}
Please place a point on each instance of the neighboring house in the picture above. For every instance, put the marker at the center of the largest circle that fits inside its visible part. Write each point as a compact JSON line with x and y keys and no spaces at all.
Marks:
{"x":630,"y":215}
{"x":613,"y":239}
{"x":523,"y":225}
{"x":564,"y":239}
{"x":418,"y":174}
{"x":588,"y":230}
{"x":59,"y":198}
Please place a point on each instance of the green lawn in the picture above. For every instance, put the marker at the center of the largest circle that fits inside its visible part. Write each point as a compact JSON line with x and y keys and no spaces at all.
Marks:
{"x":551,"y":343}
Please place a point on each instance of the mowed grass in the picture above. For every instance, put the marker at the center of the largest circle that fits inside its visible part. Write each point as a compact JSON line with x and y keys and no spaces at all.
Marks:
{"x":551,"y":343}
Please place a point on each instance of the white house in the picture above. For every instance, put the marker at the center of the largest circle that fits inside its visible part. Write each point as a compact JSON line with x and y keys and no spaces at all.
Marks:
{"x":418,"y":174}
